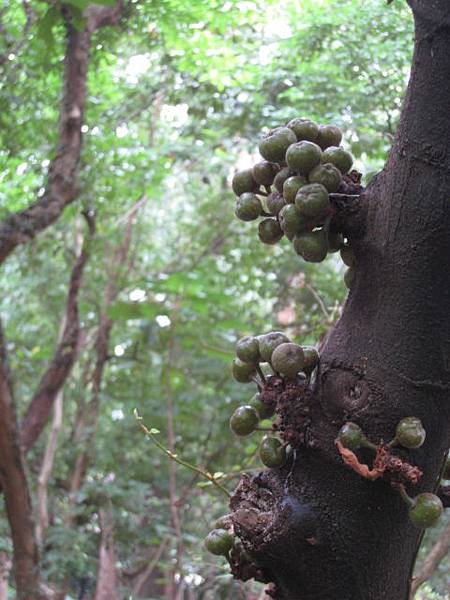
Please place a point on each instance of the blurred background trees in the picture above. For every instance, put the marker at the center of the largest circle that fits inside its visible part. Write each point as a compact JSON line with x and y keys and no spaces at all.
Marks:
{"x":177,"y":94}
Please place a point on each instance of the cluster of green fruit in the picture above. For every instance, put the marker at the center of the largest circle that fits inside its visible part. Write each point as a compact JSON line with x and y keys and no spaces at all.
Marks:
{"x":222,"y":541}
{"x":287,"y":361}
{"x":305,"y":164}
{"x":424,"y":509}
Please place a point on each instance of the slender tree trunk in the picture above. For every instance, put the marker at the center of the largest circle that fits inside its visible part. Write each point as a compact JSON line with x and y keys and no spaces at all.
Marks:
{"x":437,"y":553}
{"x":316,"y":528}
{"x":107,"y":584}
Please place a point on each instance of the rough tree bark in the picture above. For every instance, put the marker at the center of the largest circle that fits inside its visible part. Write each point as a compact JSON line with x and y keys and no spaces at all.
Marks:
{"x":318,"y":530}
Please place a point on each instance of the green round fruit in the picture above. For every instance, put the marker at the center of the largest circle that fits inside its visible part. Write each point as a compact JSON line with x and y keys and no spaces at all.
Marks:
{"x":329,"y":135}
{"x":288,"y":359}
{"x":274,"y":145}
{"x":327,"y":175}
{"x":426,"y":511}
{"x":242,"y":372}
{"x":264,"y":411}
{"x":446,"y":470}
{"x":312,"y":245}
{"x":291,"y":221}
{"x":348,"y":256}
{"x":335,"y":242}
{"x":247,"y":350}
{"x":248,"y":207}
{"x":269,"y":231}
{"x":410,"y":432}
{"x":272,"y":452}
{"x":275,"y":203}
{"x":244,"y":420}
{"x":304,"y":129}
{"x":349,"y":277}
{"x":291,"y":187}
{"x":311,"y":359}
{"x":268,"y":342}
{"x":281,"y":177}
{"x":264,"y":172}
{"x":302,"y":157}
{"x":243,"y":182}
{"x":351,"y":436}
{"x":219,"y":542}
{"x":313,"y":201}
{"x":223,"y":522}
{"x":338,"y":157}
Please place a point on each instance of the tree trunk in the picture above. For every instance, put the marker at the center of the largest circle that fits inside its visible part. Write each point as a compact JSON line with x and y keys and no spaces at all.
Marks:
{"x":107,"y":574}
{"x":317,"y":529}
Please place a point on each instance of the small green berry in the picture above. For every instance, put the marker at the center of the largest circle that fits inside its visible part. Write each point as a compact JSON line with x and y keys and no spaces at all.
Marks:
{"x":272,"y":452}
{"x":281,"y":177}
{"x":312,"y":246}
{"x":329,"y":135}
{"x":269,"y":231}
{"x":268,"y":342}
{"x":247,"y":350}
{"x":264,"y":172}
{"x":426,"y":510}
{"x":264,"y":411}
{"x":244,"y":420}
{"x":335,"y":242}
{"x":311,"y":359}
{"x":288,"y":359}
{"x":223,"y":522}
{"x":304,"y":129}
{"x":275,"y":203}
{"x":243,"y":182}
{"x":248,"y":207}
{"x":274,"y":145}
{"x":242,"y":372}
{"x":351,"y":436}
{"x":291,"y":187}
{"x":338,"y":157}
{"x":349,"y":277}
{"x":313,"y":201}
{"x":219,"y":542}
{"x":302,"y":157}
{"x":291,"y":221}
{"x":348,"y":256}
{"x":446,"y":470}
{"x":410,"y":432}
{"x":327,"y":175}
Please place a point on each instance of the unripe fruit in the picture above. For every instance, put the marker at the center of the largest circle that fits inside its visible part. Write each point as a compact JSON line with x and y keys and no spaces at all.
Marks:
{"x":269,"y":231}
{"x":349,"y":277}
{"x":338,"y":157}
{"x":219,"y":542}
{"x":304,"y":129}
{"x":291,"y":187}
{"x":291,"y":221}
{"x":446,"y":470}
{"x":351,"y":436}
{"x":273,"y":147}
{"x":328,"y":175}
{"x":264,"y":411}
{"x":335,"y":242}
{"x":243,"y":182}
{"x":329,"y":135}
{"x":244,"y":420}
{"x":312,"y":246}
{"x":242,"y":371}
{"x":247,"y":350}
{"x":410,"y":432}
{"x":272,"y":452}
{"x":348,"y":256}
{"x":426,"y":510}
{"x":281,"y":177}
{"x":275,"y":203}
{"x":268,"y":342}
{"x":264,"y":172}
{"x":311,"y":359}
{"x":248,"y":207}
{"x":302,"y":157}
{"x":288,"y":359}
{"x":312,"y":201}
{"x":223,"y":522}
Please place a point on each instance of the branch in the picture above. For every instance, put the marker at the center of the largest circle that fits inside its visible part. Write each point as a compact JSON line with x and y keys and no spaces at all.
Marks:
{"x":39,"y":409}
{"x":435,"y":556}
{"x":61,"y":190}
